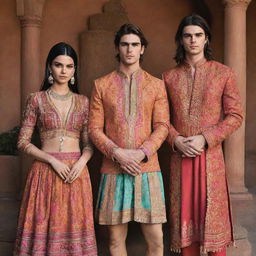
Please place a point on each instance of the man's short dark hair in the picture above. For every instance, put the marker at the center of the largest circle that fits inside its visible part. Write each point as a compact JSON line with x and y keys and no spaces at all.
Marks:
{"x":195,"y":20}
{"x":127,"y":29}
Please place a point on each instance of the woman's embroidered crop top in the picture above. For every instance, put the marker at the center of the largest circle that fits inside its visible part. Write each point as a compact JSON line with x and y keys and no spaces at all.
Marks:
{"x":41,"y":112}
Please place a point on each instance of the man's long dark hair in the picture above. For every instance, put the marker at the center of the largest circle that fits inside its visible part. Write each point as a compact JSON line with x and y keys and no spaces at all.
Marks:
{"x":126,"y":29}
{"x":196,"y":20}
{"x":56,"y":50}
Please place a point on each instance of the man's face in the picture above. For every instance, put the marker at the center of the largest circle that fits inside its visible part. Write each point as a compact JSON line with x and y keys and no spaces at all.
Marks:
{"x":130,"y":49}
{"x":193,"y":40}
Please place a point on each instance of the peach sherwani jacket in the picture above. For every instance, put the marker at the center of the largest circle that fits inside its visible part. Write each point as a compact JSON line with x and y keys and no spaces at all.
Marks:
{"x":210,"y":105}
{"x":129,"y":114}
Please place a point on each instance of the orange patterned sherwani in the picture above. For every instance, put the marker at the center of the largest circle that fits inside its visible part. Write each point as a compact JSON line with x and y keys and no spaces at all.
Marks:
{"x":207,"y":104}
{"x":129,"y":115}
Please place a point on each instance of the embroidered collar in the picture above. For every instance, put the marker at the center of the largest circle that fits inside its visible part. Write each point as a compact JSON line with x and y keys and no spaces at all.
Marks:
{"x":198,"y":64}
{"x":135,"y":74}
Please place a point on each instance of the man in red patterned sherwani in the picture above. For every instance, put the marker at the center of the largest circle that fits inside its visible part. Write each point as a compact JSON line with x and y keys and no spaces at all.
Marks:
{"x":205,"y":109}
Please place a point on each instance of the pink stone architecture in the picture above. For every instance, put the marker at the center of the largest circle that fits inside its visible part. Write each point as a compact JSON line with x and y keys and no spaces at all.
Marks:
{"x":235,"y":57}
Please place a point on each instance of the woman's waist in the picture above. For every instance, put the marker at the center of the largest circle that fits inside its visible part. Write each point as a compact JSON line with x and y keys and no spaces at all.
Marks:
{"x":61,"y":144}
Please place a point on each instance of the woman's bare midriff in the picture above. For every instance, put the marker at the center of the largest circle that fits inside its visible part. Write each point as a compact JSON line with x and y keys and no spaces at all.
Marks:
{"x":53,"y":145}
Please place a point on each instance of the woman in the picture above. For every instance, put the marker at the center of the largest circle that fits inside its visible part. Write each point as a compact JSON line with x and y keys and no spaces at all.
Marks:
{"x":56,"y":211}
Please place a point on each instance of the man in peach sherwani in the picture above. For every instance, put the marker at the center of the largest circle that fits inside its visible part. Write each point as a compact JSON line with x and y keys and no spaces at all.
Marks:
{"x":129,"y":120}
{"x":205,"y":109}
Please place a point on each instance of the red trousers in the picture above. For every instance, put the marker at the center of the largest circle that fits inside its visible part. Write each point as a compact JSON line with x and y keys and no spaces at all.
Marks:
{"x":194,"y":250}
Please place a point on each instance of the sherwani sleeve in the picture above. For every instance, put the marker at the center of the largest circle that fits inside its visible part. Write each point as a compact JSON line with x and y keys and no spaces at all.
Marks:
{"x":233,"y":114}
{"x":96,"y":123}
{"x":160,"y":122}
{"x":84,"y":134}
{"x":29,"y":119}
{"x":173,"y":133}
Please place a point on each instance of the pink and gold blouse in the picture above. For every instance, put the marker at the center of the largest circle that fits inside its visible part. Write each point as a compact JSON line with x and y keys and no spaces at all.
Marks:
{"x":41,"y":112}
{"x":129,"y":114}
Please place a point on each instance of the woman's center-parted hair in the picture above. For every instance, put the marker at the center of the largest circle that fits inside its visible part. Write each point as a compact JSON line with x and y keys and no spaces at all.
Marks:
{"x":127,"y":29}
{"x":60,"y":49}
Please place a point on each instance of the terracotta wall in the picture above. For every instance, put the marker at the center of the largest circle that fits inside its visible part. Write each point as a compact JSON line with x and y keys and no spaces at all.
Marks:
{"x":154,"y":17}
{"x":159,"y":24}
{"x":10,"y":65}
{"x":251,"y":80}
{"x":250,"y":142}
{"x":64,"y":21}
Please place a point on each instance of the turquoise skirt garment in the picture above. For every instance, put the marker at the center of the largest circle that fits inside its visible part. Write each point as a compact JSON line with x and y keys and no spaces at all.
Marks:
{"x":123,"y":198}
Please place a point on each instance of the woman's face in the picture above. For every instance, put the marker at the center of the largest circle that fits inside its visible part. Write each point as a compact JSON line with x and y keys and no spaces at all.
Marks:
{"x":62,"y":68}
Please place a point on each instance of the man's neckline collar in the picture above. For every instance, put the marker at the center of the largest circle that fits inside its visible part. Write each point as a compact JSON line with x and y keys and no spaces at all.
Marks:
{"x":133,"y":75}
{"x":196,"y":65}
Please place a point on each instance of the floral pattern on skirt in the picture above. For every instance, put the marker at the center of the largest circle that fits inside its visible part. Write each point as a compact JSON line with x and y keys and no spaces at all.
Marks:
{"x":56,"y":218}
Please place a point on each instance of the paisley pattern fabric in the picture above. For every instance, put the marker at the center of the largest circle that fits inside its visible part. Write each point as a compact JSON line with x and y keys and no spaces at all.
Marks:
{"x":207,"y":104}
{"x":55,"y":217}
{"x":40,"y":112}
{"x":123,"y":198}
{"x":131,"y":114}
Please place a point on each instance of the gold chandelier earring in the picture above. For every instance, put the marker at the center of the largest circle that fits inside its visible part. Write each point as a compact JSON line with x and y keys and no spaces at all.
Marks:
{"x":72,"y":80}
{"x":50,"y":78}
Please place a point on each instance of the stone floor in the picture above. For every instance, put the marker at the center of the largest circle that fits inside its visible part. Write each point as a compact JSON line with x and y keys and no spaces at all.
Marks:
{"x":245,"y":211}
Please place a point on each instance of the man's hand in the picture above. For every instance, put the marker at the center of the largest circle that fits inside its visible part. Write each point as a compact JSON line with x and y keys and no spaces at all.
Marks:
{"x":196,"y":142}
{"x":191,"y":146}
{"x":129,"y":159}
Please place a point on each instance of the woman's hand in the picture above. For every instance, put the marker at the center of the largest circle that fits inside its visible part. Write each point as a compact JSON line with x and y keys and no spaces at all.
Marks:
{"x":76,"y":170}
{"x":60,"y":168}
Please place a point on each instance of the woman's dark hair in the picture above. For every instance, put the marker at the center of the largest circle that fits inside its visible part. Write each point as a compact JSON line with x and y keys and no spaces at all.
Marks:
{"x":196,"y":20}
{"x":126,"y":29}
{"x":56,"y":50}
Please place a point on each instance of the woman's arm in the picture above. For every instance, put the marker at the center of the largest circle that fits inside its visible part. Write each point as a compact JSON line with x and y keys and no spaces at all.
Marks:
{"x":24,"y":140}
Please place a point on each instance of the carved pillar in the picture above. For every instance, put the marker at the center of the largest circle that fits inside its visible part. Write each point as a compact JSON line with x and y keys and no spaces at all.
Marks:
{"x":30,"y":55}
{"x":235,"y":57}
{"x":30,"y":14}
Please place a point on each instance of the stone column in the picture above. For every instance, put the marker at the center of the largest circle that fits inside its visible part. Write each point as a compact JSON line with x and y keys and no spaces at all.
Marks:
{"x":30,"y":56}
{"x":30,"y":15}
{"x":235,"y":57}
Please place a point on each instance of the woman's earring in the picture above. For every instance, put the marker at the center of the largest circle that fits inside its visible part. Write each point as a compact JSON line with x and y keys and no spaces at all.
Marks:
{"x":72,"y":80}
{"x":50,"y":78}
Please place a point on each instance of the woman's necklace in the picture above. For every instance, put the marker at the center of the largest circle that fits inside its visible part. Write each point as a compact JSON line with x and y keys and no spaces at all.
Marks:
{"x":54,"y":95}
{"x":59,"y":96}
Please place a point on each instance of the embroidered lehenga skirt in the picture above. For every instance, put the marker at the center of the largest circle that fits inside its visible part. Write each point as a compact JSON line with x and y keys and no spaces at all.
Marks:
{"x":123,"y":198}
{"x":56,"y":218}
